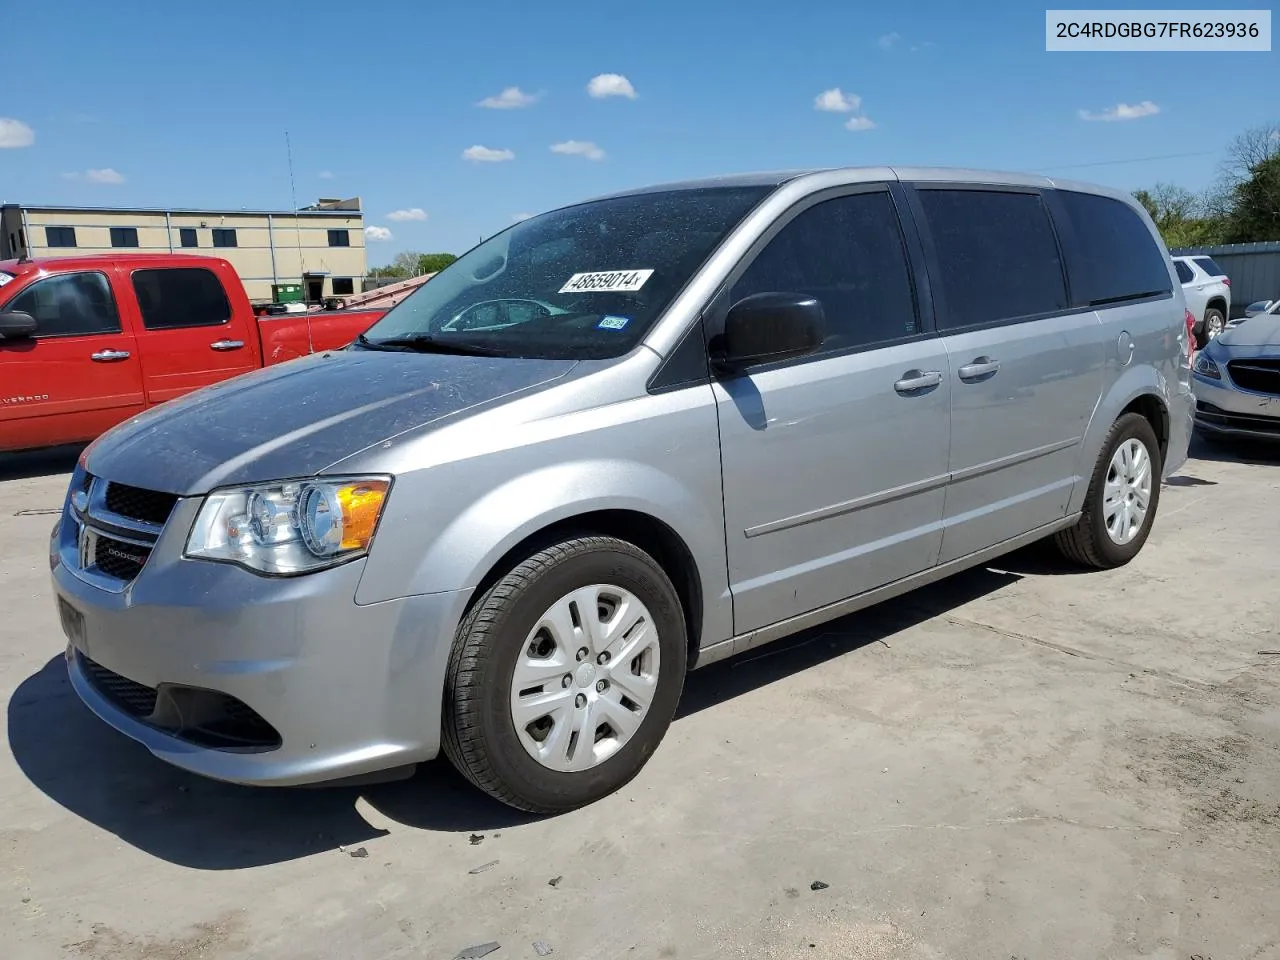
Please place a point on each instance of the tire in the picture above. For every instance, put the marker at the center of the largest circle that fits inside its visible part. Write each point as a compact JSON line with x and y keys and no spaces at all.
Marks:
{"x":502,"y":633}
{"x":1088,"y":542}
{"x":1213,"y":325}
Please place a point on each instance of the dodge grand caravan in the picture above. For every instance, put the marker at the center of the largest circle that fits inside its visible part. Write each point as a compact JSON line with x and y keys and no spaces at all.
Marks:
{"x":616,"y":441}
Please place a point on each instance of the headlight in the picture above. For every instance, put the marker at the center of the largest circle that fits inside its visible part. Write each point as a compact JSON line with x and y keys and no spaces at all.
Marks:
{"x":291,"y":527}
{"x":1205,"y":367}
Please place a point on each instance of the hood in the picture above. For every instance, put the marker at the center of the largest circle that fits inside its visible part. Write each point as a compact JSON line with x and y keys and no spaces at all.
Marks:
{"x":1262,"y":330}
{"x":295,"y":419}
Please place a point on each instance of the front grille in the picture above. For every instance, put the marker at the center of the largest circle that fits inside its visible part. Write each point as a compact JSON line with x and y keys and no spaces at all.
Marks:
{"x":135,"y":699}
{"x":149,"y":506}
{"x":118,"y":559}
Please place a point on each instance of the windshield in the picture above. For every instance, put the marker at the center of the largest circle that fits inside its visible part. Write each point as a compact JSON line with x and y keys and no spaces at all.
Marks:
{"x":583,"y":282}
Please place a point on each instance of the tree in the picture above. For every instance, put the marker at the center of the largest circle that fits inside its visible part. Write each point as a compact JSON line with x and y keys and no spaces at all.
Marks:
{"x":390,"y":270}
{"x":408,"y":262}
{"x":434,"y":262}
{"x":1181,"y":217}
{"x":1255,"y":211}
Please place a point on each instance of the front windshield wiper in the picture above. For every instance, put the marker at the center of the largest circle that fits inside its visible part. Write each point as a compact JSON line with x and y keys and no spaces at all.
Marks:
{"x":425,"y":343}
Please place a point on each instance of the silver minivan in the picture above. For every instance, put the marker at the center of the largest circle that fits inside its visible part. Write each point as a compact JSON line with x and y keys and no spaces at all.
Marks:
{"x":614,"y":442}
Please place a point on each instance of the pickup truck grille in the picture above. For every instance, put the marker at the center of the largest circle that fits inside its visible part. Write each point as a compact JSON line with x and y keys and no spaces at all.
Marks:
{"x":1261,"y":375}
{"x":149,"y":506}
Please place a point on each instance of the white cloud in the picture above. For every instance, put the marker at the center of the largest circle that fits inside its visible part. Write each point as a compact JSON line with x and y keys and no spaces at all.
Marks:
{"x":888,"y":40}
{"x":927,"y":45}
{"x":15,"y":133}
{"x":511,"y":98}
{"x":325,"y":175}
{"x":413,"y":213}
{"x":860,"y":123}
{"x":521,"y":216}
{"x":1122,"y":111}
{"x":836,"y":100}
{"x":104,"y":175}
{"x":486,"y":154}
{"x":377,"y":234}
{"x":578,"y":148}
{"x":611,"y":85}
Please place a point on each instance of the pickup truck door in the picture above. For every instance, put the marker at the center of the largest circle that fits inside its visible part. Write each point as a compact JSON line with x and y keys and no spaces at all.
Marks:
{"x":188,"y":333}
{"x":79,"y":375}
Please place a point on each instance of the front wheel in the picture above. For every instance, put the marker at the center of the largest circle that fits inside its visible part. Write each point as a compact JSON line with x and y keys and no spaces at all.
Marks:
{"x":565,"y":675}
{"x":1121,"y":503}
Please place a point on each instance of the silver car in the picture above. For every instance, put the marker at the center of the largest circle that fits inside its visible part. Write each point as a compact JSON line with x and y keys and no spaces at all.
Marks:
{"x":1237,"y":381}
{"x":697,"y":418}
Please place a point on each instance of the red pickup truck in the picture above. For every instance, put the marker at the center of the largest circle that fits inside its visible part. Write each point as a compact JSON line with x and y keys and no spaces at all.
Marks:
{"x":87,"y":342}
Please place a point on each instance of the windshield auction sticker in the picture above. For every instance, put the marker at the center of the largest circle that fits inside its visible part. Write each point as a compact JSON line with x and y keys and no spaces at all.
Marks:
{"x":608,"y":281}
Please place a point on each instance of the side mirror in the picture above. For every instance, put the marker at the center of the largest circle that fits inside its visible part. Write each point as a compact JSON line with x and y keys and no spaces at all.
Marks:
{"x":766,"y":327}
{"x":16,"y":326}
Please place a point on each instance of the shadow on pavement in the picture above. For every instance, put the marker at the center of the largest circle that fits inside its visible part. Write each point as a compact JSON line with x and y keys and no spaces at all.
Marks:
{"x":38,"y":463}
{"x":114,"y":783}
{"x":1257,"y":452}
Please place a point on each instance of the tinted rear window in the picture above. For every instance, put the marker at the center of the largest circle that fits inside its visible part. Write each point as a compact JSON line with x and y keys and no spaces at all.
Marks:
{"x":997,"y":256}
{"x":186,"y":297}
{"x":1208,"y":266}
{"x":1116,"y":257}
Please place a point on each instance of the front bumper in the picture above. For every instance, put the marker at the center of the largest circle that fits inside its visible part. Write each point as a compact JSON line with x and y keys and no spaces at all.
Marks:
{"x":1223,"y":410}
{"x":341,"y":690}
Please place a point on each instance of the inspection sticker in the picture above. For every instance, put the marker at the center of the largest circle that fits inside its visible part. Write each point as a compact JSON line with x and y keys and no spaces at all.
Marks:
{"x":613,"y":323}
{"x":608,"y":281}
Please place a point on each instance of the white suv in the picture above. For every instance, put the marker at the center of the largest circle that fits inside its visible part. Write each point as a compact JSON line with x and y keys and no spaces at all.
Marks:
{"x":1208,"y":292}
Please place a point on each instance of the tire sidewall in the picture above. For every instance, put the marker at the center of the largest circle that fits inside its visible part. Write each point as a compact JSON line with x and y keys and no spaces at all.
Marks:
{"x":508,"y":757}
{"x":1132,"y":427}
{"x":1222,"y":325}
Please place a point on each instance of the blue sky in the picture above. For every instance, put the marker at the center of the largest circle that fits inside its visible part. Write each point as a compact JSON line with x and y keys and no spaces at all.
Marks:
{"x":158,"y":103}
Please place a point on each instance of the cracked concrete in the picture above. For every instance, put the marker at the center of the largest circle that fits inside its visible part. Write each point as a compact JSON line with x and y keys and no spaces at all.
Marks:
{"x":1023,"y":761}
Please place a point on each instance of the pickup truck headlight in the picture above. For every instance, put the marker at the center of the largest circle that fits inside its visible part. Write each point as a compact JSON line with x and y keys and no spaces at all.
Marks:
{"x":292,"y":527}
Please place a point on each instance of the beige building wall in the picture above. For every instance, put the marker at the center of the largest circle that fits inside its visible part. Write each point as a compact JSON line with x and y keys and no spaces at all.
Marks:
{"x":270,"y":248}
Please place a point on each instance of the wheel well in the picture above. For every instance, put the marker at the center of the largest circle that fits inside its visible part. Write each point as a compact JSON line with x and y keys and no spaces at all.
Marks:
{"x":1219,"y":303}
{"x":648,"y":533}
{"x":1149,"y":406}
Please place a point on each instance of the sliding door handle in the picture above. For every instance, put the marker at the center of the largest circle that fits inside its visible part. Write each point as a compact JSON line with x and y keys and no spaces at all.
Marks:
{"x":981,"y":369}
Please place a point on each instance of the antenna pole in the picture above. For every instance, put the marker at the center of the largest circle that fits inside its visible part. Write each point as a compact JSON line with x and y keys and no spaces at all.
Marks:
{"x":297,"y":232}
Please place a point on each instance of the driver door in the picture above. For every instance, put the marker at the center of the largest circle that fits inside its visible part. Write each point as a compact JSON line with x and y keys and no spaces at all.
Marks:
{"x":79,"y":375}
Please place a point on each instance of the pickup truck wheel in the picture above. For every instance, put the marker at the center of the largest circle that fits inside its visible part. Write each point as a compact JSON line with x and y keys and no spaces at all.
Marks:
{"x":1121,"y":503}
{"x":565,"y":675}
{"x":1214,"y":324}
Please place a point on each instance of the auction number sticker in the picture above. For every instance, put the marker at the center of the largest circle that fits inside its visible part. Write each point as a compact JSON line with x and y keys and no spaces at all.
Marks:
{"x":4,"y":278}
{"x":607,"y":281}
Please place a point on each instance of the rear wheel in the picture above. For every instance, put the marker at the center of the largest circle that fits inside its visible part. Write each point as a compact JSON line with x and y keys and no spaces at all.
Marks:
{"x":1121,"y":503}
{"x":565,"y":675}
{"x":1214,"y":324}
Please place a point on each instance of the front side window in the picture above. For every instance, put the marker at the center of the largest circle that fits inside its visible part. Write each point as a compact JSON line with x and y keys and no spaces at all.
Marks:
{"x":69,"y":305}
{"x":848,"y":254}
{"x":1117,"y":259}
{"x":997,"y":256}
{"x":124,"y":236}
{"x":186,"y":297}
{"x":224,"y":238}
{"x":1185,"y":273}
{"x":60,"y":236}
{"x":582,"y":282}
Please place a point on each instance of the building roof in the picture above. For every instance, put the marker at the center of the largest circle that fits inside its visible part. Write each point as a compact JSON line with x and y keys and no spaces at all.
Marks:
{"x":191,"y":211}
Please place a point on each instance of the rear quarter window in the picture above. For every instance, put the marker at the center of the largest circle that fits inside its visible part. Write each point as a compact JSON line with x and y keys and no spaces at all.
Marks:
{"x":1185,"y":273}
{"x":181,"y":297}
{"x":1208,"y":265}
{"x":1115,"y":258}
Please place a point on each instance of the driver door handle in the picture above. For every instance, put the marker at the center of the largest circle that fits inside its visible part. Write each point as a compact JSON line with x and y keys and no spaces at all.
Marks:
{"x":915,"y":380}
{"x":109,"y":356}
{"x":980,"y":369}
{"x":226,"y":345}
